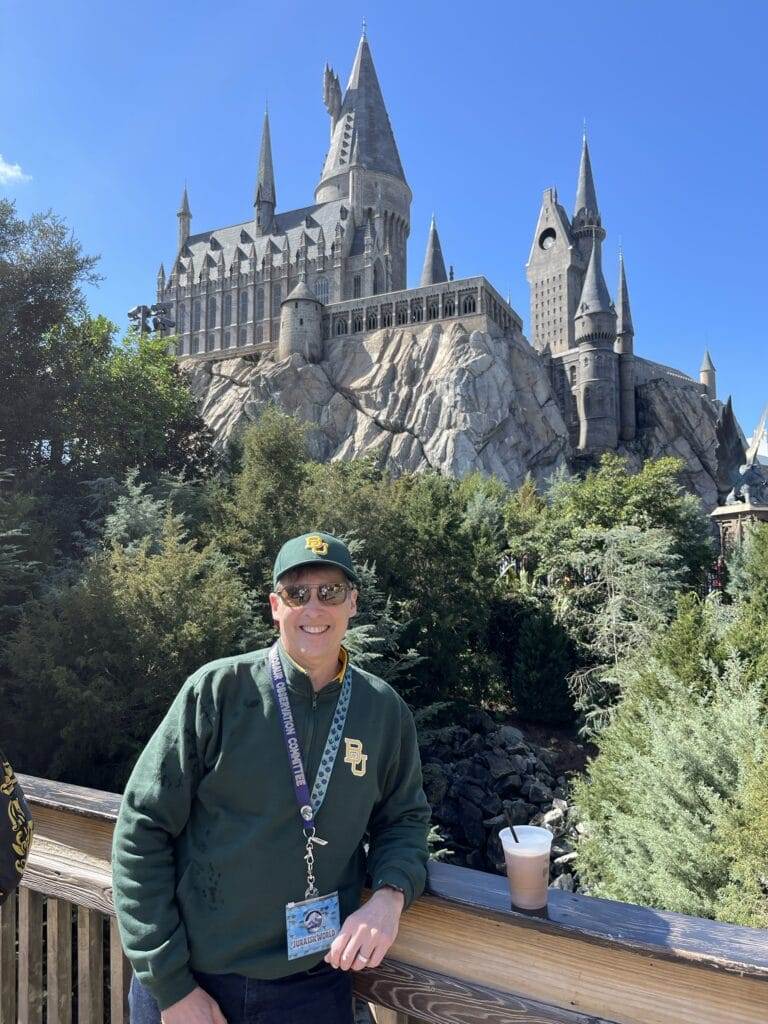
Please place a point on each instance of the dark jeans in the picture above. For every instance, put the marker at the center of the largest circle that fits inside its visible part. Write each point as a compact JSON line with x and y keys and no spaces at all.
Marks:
{"x":321,"y":995}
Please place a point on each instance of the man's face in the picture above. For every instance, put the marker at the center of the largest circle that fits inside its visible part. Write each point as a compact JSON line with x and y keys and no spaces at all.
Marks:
{"x":315,"y":630}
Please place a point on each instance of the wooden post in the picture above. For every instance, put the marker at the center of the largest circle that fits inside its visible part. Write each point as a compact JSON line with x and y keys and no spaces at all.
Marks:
{"x":8,"y":959}
{"x":90,"y":967}
{"x":119,"y":976}
{"x":30,"y":957}
{"x":59,"y":963}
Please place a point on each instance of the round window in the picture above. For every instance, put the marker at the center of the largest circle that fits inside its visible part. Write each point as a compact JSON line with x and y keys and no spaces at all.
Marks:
{"x":547,"y":238}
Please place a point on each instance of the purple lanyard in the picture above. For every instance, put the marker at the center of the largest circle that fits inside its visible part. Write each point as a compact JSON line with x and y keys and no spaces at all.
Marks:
{"x":308,"y":804}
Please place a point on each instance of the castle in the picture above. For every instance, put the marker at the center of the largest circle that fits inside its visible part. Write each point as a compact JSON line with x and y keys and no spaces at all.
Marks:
{"x":291,"y":282}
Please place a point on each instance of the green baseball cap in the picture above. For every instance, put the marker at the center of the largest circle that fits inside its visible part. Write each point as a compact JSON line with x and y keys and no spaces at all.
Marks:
{"x":313,"y":549}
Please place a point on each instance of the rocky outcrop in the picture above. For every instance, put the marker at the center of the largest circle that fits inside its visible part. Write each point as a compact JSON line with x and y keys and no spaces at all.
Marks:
{"x":477,"y":775}
{"x":440,"y":397}
{"x":450,"y":398}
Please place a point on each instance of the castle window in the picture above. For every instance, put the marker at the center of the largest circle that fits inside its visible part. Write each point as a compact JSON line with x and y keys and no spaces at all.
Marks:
{"x":181,"y":317}
{"x":402,"y":313}
{"x":227,"y":317}
{"x":572,"y":375}
{"x":243,"y":306}
{"x":277,"y":295}
{"x":341,"y":327}
{"x":226,"y":339}
{"x":259,"y":333}
{"x":370,"y":322}
{"x":468,"y":305}
{"x":322,"y":290}
{"x":210,"y":343}
{"x":211,"y":313}
{"x":180,"y":347}
{"x":243,"y":338}
{"x":433,"y":310}
{"x":449,"y":306}
{"x":357,"y":323}
{"x":196,"y":315}
{"x":357,"y":286}
{"x":259,"y":304}
{"x":194,"y":345}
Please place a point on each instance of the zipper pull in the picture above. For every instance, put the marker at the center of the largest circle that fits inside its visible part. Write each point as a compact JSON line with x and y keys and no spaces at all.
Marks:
{"x":314,"y":702}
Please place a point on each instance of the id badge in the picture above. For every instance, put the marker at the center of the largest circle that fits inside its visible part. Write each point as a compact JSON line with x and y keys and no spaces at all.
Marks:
{"x":312,"y":925}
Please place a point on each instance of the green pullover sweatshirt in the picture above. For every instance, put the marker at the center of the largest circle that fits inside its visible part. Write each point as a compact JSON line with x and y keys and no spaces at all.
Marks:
{"x":209,"y":848}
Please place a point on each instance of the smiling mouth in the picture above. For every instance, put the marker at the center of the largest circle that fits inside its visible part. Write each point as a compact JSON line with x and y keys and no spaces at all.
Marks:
{"x":314,"y":630}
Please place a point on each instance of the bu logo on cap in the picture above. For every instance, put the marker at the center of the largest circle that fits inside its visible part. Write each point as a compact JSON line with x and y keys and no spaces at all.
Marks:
{"x":354,"y":756}
{"x":317,"y":545}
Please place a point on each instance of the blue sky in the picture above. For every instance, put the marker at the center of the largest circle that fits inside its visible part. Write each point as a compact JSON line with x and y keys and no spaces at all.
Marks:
{"x":109,"y":108}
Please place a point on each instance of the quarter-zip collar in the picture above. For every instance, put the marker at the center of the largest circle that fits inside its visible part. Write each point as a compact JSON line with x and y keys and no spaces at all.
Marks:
{"x":299,"y":683}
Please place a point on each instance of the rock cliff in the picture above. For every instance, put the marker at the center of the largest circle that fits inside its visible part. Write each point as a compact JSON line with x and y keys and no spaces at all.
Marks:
{"x":449,"y":398}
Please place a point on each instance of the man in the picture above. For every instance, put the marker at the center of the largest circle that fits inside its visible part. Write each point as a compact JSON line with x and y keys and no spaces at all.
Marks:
{"x":230,"y":879}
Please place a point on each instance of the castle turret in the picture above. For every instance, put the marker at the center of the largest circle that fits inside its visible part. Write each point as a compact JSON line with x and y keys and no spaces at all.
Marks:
{"x":185,"y":219}
{"x":363,"y":164}
{"x":161,"y":280}
{"x":624,"y":347}
{"x":301,"y":325}
{"x":555,"y":274}
{"x":708,"y":375}
{"x":586,"y":223}
{"x":597,"y":380}
{"x":433,"y":271}
{"x":265,"y":198}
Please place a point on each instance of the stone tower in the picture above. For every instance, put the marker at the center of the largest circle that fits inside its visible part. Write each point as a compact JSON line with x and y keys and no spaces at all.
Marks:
{"x":301,"y":325}
{"x":708,"y":375}
{"x":597,"y":381}
{"x":624,"y":347}
{"x":185,"y":219}
{"x":265,"y":199}
{"x":363,"y":165}
{"x":586,"y":224}
{"x":555,"y":272}
{"x":433,"y":271}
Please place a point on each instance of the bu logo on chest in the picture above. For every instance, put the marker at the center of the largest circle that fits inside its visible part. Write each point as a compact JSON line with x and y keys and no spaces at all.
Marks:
{"x":354,"y":756}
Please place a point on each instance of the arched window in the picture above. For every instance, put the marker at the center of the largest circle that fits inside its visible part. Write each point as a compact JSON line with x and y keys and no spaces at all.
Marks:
{"x":370,"y":322}
{"x":259,"y":333}
{"x":357,"y":323}
{"x":259,"y":304}
{"x":378,"y":277}
{"x":243,"y":307}
{"x":468,"y":305}
{"x":226,"y":339}
{"x":211,"y":313}
{"x":322,"y":290}
{"x":402,"y":313}
{"x":277,"y":297}
{"x":417,"y":312}
{"x":341,"y":327}
{"x":181,"y":318}
{"x":357,"y":286}
{"x":227,"y":318}
{"x":433,"y":310}
{"x":572,"y":375}
{"x":449,"y":307}
{"x":388,"y":319}
{"x":243,"y":335}
{"x":196,"y":315}
{"x":210,"y":343}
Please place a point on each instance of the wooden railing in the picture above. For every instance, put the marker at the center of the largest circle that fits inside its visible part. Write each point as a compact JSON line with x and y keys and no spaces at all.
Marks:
{"x":462,"y":954}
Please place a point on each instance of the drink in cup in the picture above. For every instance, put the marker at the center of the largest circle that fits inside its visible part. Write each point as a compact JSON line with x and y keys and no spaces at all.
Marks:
{"x":527,"y":865}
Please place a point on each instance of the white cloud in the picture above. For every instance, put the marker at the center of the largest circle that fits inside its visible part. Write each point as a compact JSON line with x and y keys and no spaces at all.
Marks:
{"x":11,"y":174}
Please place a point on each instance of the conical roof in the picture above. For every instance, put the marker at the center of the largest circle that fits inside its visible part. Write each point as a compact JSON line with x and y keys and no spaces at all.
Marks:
{"x":363,"y":124}
{"x":301,"y":291}
{"x":433,"y":271}
{"x":184,"y":209}
{"x":706,"y":363}
{"x":595,"y":297}
{"x":624,"y":322}
{"x":586,"y":197}
{"x":265,"y":182}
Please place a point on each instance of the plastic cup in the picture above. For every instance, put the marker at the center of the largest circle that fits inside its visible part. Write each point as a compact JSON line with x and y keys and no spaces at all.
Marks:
{"x":527,"y":865}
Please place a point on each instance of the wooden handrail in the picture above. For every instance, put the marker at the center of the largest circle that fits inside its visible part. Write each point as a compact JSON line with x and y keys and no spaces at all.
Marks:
{"x":462,"y":953}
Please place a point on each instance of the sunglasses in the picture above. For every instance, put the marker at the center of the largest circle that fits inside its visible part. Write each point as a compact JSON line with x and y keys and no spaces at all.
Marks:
{"x":298,"y":594}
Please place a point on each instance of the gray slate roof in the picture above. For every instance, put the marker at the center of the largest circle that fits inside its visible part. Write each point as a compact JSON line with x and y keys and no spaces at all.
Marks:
{"x":624,"y":321}
{"x":265,"y":181}
{"x":586,"y":197}
{"x":301,"y":291}
{"x":363,"y":125}
{"x":594,"y":294}
{"x":433,"y":271}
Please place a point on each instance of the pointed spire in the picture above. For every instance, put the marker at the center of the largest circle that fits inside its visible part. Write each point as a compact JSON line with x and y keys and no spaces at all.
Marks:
{"x":265,"y":182}
{"x":624,"y":322}
{"x":433,"y":271}
{"x":161,"y":275}
{"x":361,"y":124}
{"x":707,"y":365}
{"x":595,"y":297}
{"x":586,"y":197}
{"x":184,"y":209}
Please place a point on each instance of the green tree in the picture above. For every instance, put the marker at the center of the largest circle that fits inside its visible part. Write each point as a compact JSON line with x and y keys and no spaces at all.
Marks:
{"x":665,"y":791}
{"x":750,"y":629}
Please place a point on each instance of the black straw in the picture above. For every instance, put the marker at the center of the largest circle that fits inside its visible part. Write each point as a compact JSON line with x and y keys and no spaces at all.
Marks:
{"x":508,"y":816}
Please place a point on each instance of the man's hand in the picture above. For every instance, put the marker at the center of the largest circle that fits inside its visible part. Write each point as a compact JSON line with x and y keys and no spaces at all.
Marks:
{"x":367,"y":934}
{"x":196,"y":1008}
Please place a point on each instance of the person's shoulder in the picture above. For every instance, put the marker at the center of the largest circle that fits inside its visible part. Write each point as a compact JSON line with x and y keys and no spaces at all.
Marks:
{"x":377,"y":689}
{"x":225,"y":673}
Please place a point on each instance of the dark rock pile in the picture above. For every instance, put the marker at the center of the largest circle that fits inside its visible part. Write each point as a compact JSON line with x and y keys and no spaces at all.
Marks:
{"x":474,"y":772}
